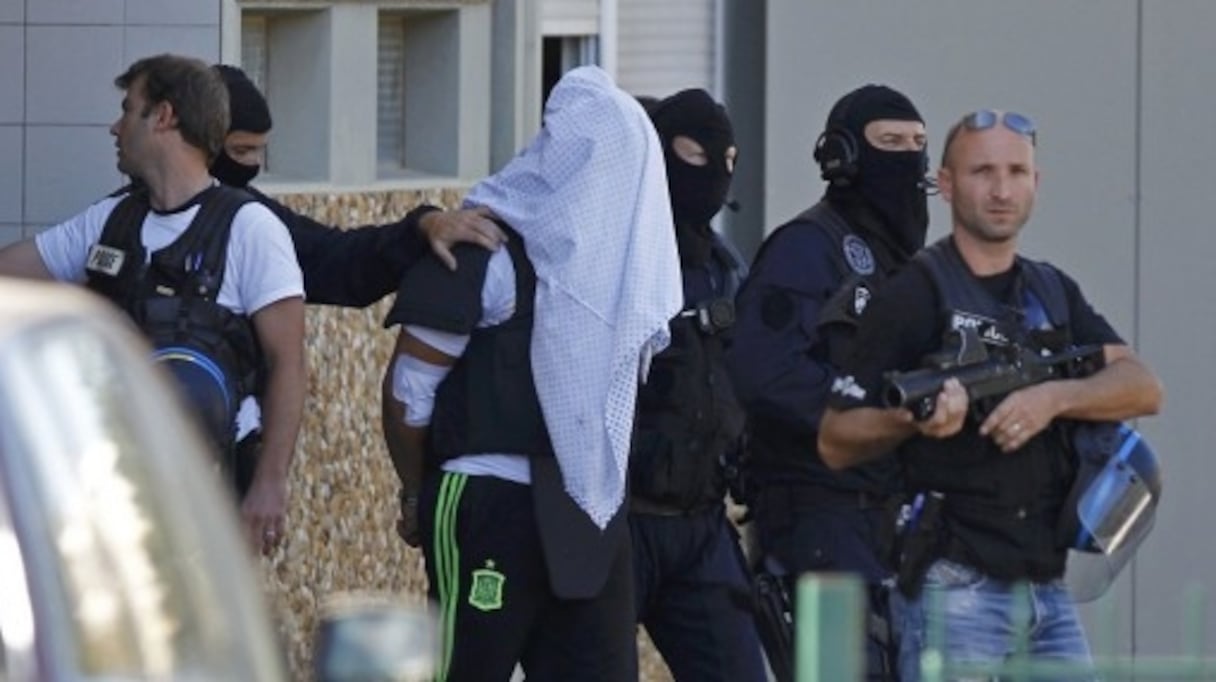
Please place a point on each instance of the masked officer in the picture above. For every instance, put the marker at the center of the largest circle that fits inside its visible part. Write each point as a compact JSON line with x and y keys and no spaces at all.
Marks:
{"x":348,"y":267}
{"x":797,"y":313}
{"x":688,"y":566}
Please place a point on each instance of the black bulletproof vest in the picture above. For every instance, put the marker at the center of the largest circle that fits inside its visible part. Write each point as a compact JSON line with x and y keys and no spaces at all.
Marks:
{"x":782,"y":454}
{"x":688,"y":417}
{"x":1001,"y":509}
{"x":172,"y":295}
{"x":488,"y":403}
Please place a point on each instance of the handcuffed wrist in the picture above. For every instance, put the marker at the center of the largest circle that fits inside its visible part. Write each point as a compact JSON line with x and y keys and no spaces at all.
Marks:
{"x":407,"y":497}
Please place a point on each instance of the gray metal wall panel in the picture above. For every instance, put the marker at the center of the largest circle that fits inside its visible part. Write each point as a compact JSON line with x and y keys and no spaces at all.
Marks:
{"x":12,"y":74}
{"x":1177,"y":310}
{"x":66,"y":169}
{"x":103,"y":12}
{"x":198,"y":41}
{"x":744,"y":76}
{"x":12,"y":11}
{"x":70,"y":72}
{"x":663,"y":47}
{"x":12,"y":163}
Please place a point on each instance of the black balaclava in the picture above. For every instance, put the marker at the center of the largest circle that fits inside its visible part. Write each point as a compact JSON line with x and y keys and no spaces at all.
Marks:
{"x":697,"y":192}
{"x":247,"y":112}
{"x":887,"y":185}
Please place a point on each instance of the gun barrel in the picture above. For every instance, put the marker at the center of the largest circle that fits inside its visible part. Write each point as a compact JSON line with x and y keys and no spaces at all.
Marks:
{"x":917,"y":390}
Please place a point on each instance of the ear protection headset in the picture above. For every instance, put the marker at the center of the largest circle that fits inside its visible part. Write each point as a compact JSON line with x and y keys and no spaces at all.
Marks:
{"x":836,"y":149}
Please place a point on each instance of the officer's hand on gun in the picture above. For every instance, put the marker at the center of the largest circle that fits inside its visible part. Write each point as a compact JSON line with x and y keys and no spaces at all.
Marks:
{"x":1020,"y":417}
{"x":949,"y":412}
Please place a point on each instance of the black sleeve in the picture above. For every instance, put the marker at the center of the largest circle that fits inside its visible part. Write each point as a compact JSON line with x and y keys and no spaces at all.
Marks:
{"x":354,"y":267}
{"x":899,"y":327}
{"x":777,"y":360}
{"x":1088,"y":326}
{"x":431,"y":295}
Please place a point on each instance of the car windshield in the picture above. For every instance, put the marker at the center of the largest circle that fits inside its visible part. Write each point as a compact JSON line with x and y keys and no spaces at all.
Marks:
{"x":109,"y":505}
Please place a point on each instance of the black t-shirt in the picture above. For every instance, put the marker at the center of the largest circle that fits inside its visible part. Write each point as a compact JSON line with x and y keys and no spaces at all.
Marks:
{"x":905,"y":322}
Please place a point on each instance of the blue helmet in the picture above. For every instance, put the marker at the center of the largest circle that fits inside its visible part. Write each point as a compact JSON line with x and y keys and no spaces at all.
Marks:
{"x":1115,"y":498}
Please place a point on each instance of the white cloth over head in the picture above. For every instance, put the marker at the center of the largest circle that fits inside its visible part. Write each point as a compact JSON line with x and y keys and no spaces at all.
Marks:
{"x":589,"y":196}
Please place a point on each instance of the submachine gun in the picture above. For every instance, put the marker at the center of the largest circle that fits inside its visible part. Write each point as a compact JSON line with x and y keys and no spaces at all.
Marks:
{"x":984,"y":371}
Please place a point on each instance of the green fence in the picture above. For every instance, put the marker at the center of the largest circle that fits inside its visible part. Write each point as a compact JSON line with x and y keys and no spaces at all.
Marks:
{"x":829,"y":644}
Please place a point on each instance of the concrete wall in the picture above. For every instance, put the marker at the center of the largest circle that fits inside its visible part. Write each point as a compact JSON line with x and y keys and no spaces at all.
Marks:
{"x":1122,"y":92}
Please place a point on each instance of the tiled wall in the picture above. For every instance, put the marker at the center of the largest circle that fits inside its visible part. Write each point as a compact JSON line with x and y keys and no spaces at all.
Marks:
{"x":58,"y":60}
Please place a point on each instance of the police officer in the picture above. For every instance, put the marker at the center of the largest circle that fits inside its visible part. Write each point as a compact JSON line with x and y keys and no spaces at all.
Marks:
{"x":688,"y":567}
{"x":204,"y":271}
{"x":797,"y":312}
{"x":348,"y":267}
{"x":996,"y":475}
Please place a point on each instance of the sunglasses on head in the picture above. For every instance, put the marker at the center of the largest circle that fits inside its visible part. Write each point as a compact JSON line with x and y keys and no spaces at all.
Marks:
{"x":984,"y":119}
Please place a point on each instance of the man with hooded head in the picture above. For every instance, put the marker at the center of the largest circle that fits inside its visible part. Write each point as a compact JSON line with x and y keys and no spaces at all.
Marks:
{"x":354,"y":267}
{"x":798,"y":312}
{"x":509,"y":402}
{"x":687,"y":564}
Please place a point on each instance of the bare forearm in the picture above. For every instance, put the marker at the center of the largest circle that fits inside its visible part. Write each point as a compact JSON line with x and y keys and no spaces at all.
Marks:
{"x":851,"y":437}
{"x":405,"y":444}
{"x":282,"y":412}
{"x":23,"y":260}
{"x":280,"y":328}
{"x":1124,"y":389}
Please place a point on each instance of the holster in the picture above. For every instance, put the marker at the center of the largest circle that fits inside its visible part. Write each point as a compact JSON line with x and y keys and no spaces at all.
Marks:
{"x":920,"y":537}
{"x":774,"y":615}
{"x":242,"y":463}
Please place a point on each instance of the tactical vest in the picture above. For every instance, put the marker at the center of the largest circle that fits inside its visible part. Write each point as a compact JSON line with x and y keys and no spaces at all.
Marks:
{"x":784,"y":455}
{"x":171,"y":296}
{"x":488,"y":402}
{"x":688,"y":418}
{"x":1001,"y":510}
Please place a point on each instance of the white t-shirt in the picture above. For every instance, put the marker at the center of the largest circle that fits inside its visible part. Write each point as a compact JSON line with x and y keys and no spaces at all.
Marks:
{"x":415,"y":386}
{"x":261,"y":266}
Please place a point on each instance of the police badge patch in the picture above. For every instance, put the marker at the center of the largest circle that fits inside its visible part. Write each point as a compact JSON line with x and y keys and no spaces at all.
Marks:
{"x":105,"y":259}
{"x":857,"y":254}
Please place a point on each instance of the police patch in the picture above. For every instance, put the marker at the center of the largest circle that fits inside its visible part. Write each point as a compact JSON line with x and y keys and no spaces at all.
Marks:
{"x":986,"y":328}
{"x":486,"y":592}
{"x":105,"y":259}
{"x":777,"y":310}
{"x":861,"y":296}
{"x":857,"y":254}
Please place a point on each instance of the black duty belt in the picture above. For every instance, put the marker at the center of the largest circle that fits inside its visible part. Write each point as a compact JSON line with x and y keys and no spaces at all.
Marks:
{"x":641,"y":505}
{"x":796,"y":495}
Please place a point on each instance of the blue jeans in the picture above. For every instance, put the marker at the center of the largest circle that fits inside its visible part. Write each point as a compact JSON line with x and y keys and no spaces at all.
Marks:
{"x":980,"y":620}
